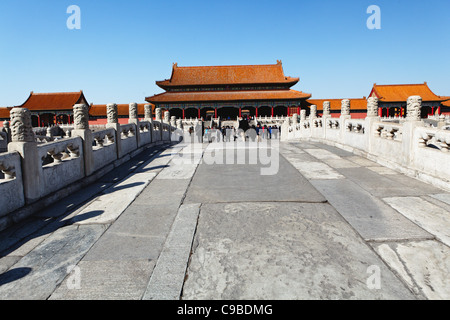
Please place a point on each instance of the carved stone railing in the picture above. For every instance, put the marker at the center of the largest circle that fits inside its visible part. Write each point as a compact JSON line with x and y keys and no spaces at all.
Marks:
{"x":61,"y":164}
{"x":105,"y":148}
{"x":11,"y":187}
{"x":271,"y":121}
{"x":145,"y":132}
{"x":355,"y":126}
{"x":406,"y":144}
{"x":156,"y":131}
{"x":3,"y":142}
{"x":165,"y":131}
{"x":434,"y":138}
{"x":389,"y":131}
{"x":128,"y":138}
{"x":32,"y":170}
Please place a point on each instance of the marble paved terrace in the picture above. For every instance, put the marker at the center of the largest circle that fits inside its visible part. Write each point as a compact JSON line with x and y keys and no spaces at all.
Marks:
{"x":328,"y":225}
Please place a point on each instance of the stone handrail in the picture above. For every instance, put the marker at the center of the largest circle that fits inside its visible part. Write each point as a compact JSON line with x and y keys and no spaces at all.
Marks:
{"x":104,"y":138}
{"x":32,"y":171}
{"x":407,"y":145}
{"x":3,"y":141}
{"x":105,"y":149}
{"x":388,"y":130}
{"x":11,"y":188}
{"x":66,"y":164}
{"x":434,"y":138}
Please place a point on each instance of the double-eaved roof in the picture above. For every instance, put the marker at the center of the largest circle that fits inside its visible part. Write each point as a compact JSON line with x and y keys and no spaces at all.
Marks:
{"x":217,"y":96}
{"x":227,"y":75}
{"x":236,"y":83}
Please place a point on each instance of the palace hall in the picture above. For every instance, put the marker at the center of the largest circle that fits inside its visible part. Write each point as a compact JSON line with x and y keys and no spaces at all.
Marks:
{"x":229,"y":92}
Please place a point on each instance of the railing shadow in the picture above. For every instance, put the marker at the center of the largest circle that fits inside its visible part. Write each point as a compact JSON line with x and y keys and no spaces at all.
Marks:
{"x":13,"y":275}
{"x":60,"y":215}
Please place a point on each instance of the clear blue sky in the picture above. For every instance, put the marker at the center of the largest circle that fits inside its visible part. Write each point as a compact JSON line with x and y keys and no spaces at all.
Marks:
{"x":123,"y":47}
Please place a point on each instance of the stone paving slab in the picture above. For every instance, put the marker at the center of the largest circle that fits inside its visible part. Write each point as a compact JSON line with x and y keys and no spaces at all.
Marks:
{"x":341,"y":163}
{"x":322,"y":154}
{"x":39,"y":273}
{"x":244,"y":182}
{"x":362,"y":161}
{"x":423,"y":265}
{"x":370,"y":216}
{"x":382,"y":170}
{"x":176,"y":170}
{"x":337,"y":151}
{"x":444,"y":197}
{"x":282,"y":251}
{"x":168,"y":277}
{"x":316,"y":170}
{"x":107,"y":280}
{"x":115,"y":199}
{"x":433,"y":218}
{"x":382,"y":185}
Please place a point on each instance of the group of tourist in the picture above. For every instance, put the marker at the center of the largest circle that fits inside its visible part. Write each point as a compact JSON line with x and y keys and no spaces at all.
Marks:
{"x":230,"y":133}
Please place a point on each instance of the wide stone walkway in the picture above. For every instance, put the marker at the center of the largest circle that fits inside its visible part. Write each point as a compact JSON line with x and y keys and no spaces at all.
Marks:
{"x":175,"y":224}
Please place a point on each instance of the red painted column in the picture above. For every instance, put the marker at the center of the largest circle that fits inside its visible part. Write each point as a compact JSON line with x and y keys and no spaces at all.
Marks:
{"x":298,"y":110}
{"x":183,"y":114}
{"x":432,"y":110}
{"x":199,"y":114}
{"x":272,"y":111}
{"x":439,"y":110}
{"x":240,"y":112}
{"x":215,"y":113}
{"x":39,"y":121}
{"x":256,"y":114}
{"x":380,"y":112}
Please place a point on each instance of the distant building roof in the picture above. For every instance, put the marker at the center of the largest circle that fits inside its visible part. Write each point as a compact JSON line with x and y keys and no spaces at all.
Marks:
{"x":401,"y":92}
{"x":99,"y":110}
{"x":227,"y":75}
{"x":53,"y":101}
{"x":4,"y":113}
{"x":217,"y":96}
{"x":446,"y":103}
{"x":335,"y":104}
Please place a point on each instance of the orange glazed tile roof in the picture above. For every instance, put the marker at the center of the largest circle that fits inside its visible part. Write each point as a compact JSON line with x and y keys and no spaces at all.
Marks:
{"x":4,"y":113}
{"x":446,"y":103}
{"x":99,"y":110}
{"x":210,"y":96}
{"x":227,"y":75}
{"x":401,"y":92}
{"x":53,"y":101}
{"x":335,"y":104}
